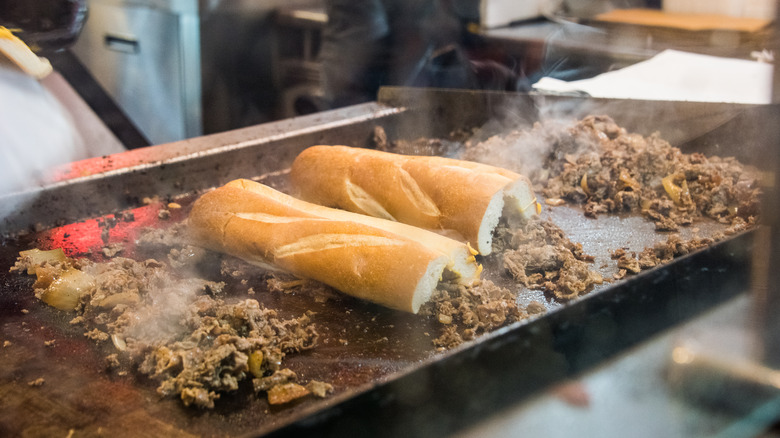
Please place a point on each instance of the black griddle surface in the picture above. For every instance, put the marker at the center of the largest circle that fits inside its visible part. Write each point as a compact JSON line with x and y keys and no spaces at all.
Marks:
{"x":363,"y":348}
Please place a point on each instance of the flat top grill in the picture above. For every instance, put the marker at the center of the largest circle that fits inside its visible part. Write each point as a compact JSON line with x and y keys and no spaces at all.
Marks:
{"x":389,"y":378}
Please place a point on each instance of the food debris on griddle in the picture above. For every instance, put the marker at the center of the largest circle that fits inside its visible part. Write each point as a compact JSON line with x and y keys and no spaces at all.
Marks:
{"x":112,"y":249}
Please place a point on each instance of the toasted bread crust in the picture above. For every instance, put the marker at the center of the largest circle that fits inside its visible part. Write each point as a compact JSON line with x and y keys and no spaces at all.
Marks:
{"x":344,"y":250}
{"x":436,"y":193}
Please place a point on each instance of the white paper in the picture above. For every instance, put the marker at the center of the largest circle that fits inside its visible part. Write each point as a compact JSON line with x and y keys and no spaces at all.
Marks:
{"x":497,"y":13}
{"x":675,"y":75}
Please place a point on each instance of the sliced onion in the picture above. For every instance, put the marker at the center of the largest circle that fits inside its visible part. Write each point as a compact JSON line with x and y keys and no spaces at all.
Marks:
{"x":555,"y":202}
{"x":673,"y":190}
{"x":128,"y":298}
{"x":255,"y":363}
{"x":118,"y":342}
{"x":628,"y":180}
{"x":38,"y":257}
{"x":584,"y":184}
{"x":285,"y":393}
{"x":66,"y":290}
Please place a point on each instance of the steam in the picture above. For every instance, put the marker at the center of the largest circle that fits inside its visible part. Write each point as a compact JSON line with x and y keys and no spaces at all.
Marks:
{"x":151,"y":303}
{"x":522,"y":151}
{"x":511,"y":142}
{"x":36,"y":133}
{"x":161,"y":318}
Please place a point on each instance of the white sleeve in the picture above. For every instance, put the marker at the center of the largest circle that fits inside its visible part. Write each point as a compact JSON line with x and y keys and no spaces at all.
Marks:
{"x":36,"y":132}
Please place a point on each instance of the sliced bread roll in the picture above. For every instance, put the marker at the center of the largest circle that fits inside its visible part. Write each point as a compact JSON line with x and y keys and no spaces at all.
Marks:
{"x":459,"y":198}
{"x":356,"y":254}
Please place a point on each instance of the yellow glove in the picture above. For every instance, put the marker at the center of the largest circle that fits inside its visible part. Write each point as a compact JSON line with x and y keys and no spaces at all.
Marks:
{"x":15,"y":50}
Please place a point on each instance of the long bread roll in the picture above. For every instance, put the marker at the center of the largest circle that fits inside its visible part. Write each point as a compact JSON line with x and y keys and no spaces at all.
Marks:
{"x":440,"y":194}
{"x":391,"y":264}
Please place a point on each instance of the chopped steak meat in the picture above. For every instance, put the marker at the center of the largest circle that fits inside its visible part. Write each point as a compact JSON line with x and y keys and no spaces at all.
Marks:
{"x":421,"y":146}
{"x":599,"y":165}
{"x":623,"y":172}
{"x":286,"y":285}
{"x":536,"y":255}
{"x":177,"y":331}
{"x":319,"y":389}
{"x":214,"y":356}
{"x":662,"y":252}
{"x":540,"y":256}
{"x":467,"y":311}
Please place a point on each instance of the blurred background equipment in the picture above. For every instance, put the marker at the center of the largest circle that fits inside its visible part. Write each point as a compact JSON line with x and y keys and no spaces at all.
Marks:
{"x":45,"y":25}
{"x":146,"y":55}
{"x":43,"y":121}
{"x":184,"y":68}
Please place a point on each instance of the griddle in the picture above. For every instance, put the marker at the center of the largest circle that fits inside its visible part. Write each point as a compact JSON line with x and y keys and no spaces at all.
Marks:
{"x":389,"y":379}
